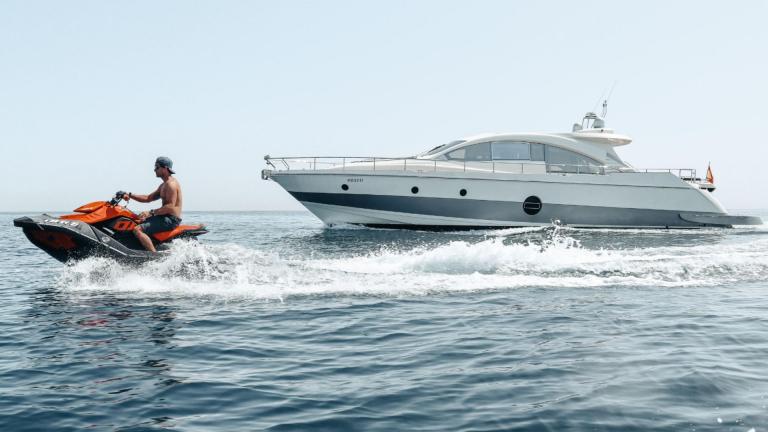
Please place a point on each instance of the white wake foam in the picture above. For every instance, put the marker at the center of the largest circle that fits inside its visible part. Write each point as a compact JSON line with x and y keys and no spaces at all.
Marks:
{"x":233,"y":271}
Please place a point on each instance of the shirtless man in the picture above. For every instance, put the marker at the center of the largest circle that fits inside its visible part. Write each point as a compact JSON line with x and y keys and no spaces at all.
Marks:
{"x":166,"y":217}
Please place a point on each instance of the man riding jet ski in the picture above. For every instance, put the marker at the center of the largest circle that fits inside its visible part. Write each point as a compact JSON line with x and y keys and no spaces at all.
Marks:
{"x":166,"y":217}
{"x":100,"y":228}
{"x":107,"y":229}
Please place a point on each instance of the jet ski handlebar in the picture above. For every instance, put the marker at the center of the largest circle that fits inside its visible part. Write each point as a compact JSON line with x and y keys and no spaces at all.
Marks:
{"x":118,"y":197}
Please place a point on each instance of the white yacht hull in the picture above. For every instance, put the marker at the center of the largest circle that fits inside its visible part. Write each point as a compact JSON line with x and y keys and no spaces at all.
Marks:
{"x":649,"y":200}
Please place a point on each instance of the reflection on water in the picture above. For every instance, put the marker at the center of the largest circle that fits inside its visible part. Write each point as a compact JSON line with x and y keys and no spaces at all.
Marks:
{"x":104,"y":346}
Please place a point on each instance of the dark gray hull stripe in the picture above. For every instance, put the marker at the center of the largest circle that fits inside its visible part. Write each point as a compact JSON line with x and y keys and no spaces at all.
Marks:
{"x":557,"y":181}
{"x":502,"y":211}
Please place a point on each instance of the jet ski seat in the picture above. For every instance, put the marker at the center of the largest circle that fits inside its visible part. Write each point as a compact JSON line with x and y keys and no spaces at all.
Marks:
{"x":176,"y":232}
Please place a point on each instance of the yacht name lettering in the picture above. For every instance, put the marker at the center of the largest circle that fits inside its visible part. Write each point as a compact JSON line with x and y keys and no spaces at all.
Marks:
{"x":354,"y":180}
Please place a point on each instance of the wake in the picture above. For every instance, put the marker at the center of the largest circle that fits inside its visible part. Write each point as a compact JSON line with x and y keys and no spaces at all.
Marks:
{"x":552,"y":258}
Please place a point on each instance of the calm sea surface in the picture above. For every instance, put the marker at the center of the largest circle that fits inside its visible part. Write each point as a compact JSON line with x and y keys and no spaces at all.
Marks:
{"x":273,"y":322}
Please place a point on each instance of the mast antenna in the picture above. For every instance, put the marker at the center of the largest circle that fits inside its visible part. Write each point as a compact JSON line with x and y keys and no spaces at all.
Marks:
{"x":605,"y":102}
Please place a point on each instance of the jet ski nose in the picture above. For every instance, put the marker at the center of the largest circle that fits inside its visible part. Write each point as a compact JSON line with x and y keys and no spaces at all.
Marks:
{"x":22,"y":221}
{"x":59,"y":238}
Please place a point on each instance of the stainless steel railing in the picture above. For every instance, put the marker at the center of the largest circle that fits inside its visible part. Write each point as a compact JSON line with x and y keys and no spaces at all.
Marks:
{"x":377,"y":164}
{"x":687,"y":174}
{"x":411,"y":164}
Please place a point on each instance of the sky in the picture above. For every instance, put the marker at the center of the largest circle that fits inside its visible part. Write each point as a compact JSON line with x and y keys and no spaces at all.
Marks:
{"x":91,"y":92}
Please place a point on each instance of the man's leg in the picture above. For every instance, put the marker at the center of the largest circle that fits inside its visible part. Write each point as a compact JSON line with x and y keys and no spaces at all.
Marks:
{"x":144,"y":239}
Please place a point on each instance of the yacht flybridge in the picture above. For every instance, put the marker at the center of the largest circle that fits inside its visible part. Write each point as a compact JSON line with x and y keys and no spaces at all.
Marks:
{"x":504,"y":180}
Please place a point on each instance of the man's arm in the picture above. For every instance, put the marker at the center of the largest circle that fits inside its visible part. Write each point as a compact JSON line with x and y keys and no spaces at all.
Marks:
{"x":154,"y":196}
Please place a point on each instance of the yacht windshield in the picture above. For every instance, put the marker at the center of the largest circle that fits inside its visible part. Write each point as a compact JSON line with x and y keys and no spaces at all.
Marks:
{"x":443,"y":147}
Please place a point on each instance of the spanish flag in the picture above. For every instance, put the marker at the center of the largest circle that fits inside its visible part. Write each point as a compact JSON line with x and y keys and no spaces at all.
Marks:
{"x":710,"y":177}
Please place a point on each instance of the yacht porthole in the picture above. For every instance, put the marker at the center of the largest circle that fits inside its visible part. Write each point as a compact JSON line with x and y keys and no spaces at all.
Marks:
{"x":463,"y":192}
{"x":344,"y":187}
{"x":532,"y":205}
{"x":414,"y":190}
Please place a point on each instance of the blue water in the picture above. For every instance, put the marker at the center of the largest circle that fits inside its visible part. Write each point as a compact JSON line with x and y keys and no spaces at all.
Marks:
{"x":273,"y":322}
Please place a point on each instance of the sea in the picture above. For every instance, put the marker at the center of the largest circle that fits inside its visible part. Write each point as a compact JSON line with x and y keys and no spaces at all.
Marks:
{"x":275,"y":322}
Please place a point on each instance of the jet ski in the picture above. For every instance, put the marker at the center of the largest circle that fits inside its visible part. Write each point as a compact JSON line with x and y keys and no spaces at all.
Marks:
{"x":100,"y":228}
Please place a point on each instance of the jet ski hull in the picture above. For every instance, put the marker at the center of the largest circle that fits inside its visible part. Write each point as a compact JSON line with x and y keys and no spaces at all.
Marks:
{"x":67,"y":240}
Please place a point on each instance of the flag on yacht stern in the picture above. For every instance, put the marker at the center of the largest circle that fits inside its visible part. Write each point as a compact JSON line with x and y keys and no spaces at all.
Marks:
{"x":710,"y":177}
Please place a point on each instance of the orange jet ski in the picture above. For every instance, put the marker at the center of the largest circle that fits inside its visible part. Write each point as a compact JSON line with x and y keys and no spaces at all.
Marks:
{"x":100,"y":228}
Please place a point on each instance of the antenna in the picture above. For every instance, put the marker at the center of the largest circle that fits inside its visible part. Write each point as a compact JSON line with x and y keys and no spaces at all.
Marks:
{"x":594,"y":108}
{"x":605,"y":102}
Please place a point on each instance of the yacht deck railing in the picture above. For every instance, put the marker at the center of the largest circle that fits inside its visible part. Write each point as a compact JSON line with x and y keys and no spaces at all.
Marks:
{"x":687,"y":174}
{"x":380,"y":164}
{"x":411,"y":164}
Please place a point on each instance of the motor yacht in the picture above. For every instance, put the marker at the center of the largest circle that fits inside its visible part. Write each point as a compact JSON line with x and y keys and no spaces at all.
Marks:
{"x":504,"y":180}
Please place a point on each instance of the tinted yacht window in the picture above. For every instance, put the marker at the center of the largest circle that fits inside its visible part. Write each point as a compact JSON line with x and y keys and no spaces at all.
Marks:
{"x":511,"y":150}
{"x":563,"y":160}
{"x":537,"y":152}
{"x":475,"y":152}
{"x":456,"y":154}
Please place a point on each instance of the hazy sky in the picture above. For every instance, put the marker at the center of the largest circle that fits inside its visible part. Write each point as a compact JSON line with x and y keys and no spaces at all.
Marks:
{"x":92,"y":91}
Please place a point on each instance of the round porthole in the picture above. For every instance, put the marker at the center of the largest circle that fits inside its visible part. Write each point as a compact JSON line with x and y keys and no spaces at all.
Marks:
{"x":532,"y":205}
{"x":344,"y":187}
{"x":414,"y":190}
{"x":463,"y":192}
